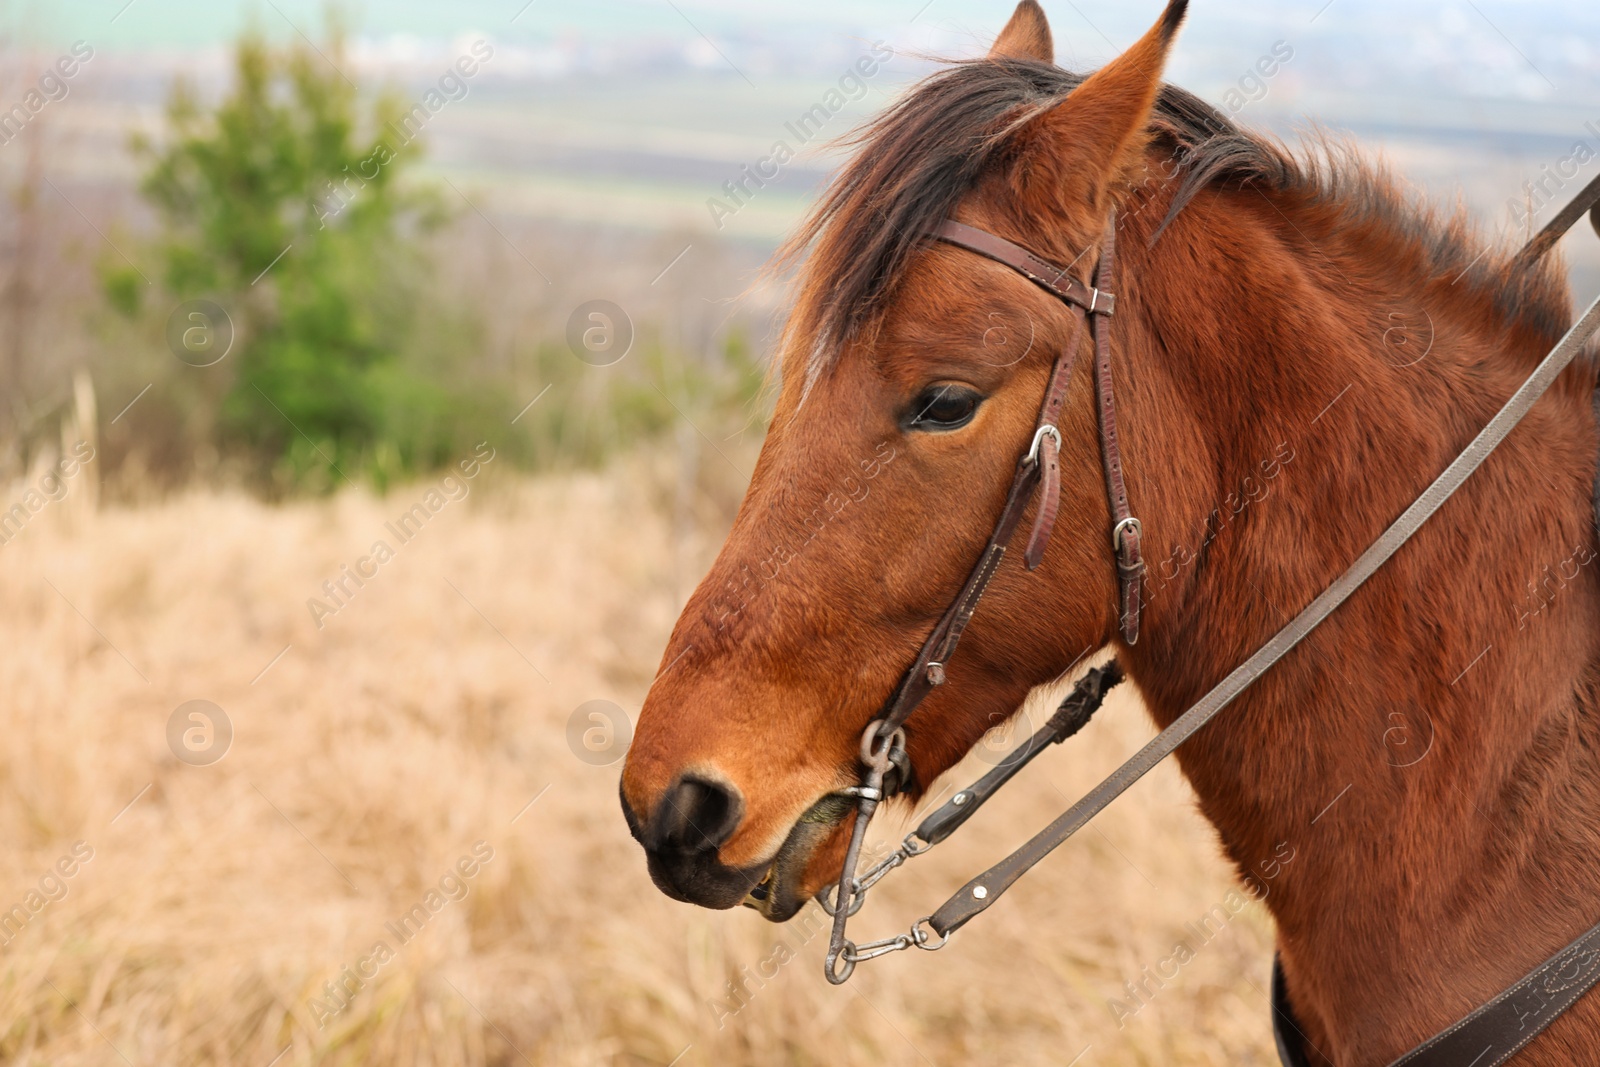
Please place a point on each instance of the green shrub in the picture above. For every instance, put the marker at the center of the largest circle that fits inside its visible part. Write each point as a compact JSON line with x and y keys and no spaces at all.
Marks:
{"x":294,"y":206}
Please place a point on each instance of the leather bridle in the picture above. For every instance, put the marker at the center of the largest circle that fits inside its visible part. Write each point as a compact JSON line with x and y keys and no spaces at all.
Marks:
{"x":883,"y":744}
{"x":1502,"y":1022}
{"x":1097,"y":305}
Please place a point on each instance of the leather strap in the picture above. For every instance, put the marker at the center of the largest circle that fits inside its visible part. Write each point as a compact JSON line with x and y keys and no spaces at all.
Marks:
{"x":1125,"y":528}
{"x":1489,"y":1036}
{"x":1291,"y":1047}
{"x":982,"y":891}
{"x":1041,"y":462}
{"x":1587,"y":200}
{"x":1041,"y":272}
{"x":1044,"y":520}
{"x":927,"y":670}
{"x":1072,"y":715}
{"x":1497,"y":1031}
{"x":1097,"y":304}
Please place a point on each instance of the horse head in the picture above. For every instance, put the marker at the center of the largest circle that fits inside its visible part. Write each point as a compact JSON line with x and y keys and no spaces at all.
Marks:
{"x":911,"y":380}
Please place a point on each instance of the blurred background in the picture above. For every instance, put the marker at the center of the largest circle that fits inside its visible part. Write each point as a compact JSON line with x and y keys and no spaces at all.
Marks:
{"x":481,"y":283}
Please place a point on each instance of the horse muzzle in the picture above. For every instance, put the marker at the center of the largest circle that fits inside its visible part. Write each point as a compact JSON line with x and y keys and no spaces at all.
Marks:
{"x":681,"y":836}
{"x":693,"y":819}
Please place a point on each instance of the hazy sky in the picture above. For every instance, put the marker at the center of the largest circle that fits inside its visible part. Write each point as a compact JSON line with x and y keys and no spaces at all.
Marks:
{"x":187,"y":23}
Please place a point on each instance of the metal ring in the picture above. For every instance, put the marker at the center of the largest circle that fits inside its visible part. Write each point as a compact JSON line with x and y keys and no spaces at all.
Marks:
{"x":913,"y":845}
{"x":925,"y":941}
{"x":1116,"y":531}
{"x":1047,"y":430}
{"x":846,"y":953}
{"x":825,"y":899}
{"x":869,"y":742}
{"x":871,"y":752}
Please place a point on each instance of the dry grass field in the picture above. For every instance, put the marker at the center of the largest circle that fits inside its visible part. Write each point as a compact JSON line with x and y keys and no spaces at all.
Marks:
{"x":221,"y":908}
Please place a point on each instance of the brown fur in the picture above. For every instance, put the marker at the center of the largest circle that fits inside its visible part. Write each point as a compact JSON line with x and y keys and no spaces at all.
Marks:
{"x":1271,"y":318}
{"x":1026,"y":36}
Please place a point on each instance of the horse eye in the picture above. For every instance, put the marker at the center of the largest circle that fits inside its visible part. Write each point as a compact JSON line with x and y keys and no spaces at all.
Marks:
{"x":943,"y":407}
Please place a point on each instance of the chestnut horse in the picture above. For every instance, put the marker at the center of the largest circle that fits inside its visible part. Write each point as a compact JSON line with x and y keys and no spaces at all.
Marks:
{"x":1298,"y":350}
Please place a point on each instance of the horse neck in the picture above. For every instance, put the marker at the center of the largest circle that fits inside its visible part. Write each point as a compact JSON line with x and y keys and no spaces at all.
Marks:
{"x":1424,"y":755}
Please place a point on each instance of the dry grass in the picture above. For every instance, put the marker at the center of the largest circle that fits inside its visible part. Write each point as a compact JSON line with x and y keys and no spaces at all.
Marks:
{"x":420,"y":720}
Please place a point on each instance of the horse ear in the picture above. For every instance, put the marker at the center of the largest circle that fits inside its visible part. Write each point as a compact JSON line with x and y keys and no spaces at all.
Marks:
{"x":1026,"y":36}
{"x":1083,"y":145}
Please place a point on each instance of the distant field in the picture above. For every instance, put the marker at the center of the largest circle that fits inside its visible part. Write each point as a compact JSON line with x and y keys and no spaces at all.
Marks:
{"x":219,"y":901}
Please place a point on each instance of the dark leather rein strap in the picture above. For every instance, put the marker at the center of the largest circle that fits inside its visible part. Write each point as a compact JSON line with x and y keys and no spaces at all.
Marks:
{"x":1587,"y":200}
{"x":1072,"y":715}
{"x":1488,"y":1037}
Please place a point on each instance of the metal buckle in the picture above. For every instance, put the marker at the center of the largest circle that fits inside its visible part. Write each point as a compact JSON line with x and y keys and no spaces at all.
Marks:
{"x":1047,"y":430}
{"x":1116,"y":531}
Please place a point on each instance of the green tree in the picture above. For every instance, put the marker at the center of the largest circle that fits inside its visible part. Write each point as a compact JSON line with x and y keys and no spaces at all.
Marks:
{"x":292,"y":202}
{"x":286,"y":205}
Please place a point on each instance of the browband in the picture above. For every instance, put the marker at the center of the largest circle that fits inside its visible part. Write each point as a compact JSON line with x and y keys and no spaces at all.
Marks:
{"x":1041,"y":272}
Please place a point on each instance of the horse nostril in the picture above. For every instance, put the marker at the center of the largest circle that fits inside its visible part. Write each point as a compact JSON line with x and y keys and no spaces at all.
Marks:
{"x":696,"y":816}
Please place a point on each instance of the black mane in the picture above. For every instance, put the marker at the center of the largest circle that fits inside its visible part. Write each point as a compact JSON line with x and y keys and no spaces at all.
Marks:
{"x":918,"y":159}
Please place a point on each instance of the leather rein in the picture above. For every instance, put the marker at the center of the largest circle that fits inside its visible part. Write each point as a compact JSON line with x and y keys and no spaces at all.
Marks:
{"x":1562,"y":979}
